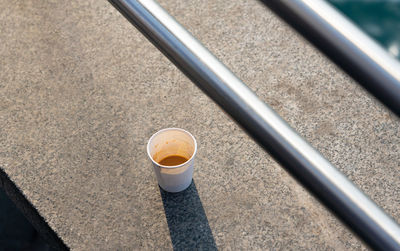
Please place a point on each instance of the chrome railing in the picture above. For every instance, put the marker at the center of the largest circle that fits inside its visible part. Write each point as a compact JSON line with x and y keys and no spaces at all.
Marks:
{"x":298,"y":157}
{"x":346,"y":45}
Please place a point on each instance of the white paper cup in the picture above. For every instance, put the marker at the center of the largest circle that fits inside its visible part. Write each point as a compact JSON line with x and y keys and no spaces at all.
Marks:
{"x":167,"y":142}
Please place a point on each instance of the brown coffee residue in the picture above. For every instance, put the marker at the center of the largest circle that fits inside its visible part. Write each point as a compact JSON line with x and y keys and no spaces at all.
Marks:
{"x":172,"y":160}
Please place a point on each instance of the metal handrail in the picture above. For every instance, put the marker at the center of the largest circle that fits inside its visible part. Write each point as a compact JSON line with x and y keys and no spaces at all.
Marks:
{"x":346,"y":45}
{"x":306,"y":164}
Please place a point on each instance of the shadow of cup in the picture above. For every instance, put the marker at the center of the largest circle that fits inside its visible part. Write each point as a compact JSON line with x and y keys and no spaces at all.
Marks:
{"x":187,"y":221}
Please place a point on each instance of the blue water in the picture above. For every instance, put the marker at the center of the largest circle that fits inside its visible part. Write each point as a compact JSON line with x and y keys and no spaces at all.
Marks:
{"x":380,"y":19}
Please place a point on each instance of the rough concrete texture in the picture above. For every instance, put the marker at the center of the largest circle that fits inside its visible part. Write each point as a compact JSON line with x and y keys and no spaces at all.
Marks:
{"x":81,"y":91}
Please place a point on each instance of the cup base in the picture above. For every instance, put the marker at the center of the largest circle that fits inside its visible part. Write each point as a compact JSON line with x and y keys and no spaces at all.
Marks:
{"x":176,"y":189}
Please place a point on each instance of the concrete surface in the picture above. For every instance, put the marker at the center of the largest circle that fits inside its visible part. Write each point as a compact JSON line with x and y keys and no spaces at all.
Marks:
{"x":81,"y":91}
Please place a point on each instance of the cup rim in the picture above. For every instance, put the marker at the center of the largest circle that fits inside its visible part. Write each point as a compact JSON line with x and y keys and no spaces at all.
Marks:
{"x":169,"y":129}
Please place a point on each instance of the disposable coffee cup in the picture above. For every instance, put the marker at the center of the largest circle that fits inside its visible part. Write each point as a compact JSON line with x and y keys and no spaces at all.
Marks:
{"x":172,"y":152}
